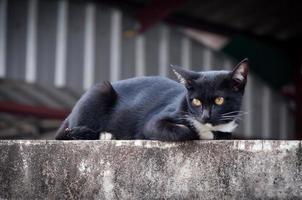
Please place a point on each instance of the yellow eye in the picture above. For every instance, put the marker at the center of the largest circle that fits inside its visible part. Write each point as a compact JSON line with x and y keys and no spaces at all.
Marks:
{"x":219,"y":100}
{"x":196,"y":102}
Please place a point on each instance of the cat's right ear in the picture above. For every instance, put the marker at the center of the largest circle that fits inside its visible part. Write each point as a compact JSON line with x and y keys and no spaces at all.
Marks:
{"x":184,"y":76}
{"x":239,"y":74}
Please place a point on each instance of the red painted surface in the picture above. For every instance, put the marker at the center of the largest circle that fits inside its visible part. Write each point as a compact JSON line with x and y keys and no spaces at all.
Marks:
{"x":36,"y":111}
{"x":157,"y":11}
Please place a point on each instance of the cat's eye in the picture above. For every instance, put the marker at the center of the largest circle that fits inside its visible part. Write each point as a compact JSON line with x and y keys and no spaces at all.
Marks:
{"x":196,"y":102}
{"x":219,"y":100}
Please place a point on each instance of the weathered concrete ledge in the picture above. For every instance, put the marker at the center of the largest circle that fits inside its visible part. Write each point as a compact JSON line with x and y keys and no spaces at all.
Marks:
{"x":150,"y":170}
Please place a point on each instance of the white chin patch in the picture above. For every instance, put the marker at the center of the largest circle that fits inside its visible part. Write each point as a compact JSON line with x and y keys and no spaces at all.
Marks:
{"x":205,"y":131}
{"x":105,"y":136}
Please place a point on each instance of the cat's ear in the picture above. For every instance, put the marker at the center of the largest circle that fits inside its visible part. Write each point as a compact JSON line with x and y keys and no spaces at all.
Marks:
{"x":184,"y":76}
{"x":239,"y":74}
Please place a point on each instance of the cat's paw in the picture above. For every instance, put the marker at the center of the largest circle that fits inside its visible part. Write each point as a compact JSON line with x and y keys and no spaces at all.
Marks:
{"x":81,"y":133}
{"x":181,"y":126}
{"x":106,"y":136}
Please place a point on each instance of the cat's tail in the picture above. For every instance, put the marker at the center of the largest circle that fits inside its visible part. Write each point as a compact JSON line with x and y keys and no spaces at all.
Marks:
{"x":92,"y":111}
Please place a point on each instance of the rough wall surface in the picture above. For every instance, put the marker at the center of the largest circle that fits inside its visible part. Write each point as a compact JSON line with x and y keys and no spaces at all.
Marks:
{"x":150,"y":170}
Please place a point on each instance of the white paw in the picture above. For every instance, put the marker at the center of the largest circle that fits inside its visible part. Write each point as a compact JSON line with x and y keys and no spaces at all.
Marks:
{"x":105,"y":136}
{"x":181,"y":125}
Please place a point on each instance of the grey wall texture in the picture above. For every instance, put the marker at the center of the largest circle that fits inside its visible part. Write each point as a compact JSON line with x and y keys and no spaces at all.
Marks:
{"x":150,"y":170}
{"x":77,"y":43}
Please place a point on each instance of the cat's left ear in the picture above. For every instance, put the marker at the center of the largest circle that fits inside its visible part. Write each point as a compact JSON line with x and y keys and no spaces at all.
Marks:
{"x":240,"y":72}
{"x":184,"y":76}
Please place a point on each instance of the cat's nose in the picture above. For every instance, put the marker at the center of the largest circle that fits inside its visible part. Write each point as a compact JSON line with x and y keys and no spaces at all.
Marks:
{"x":205,"y":116}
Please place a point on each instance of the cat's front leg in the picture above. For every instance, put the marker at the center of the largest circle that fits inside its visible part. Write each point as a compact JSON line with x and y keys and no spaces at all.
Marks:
{"x":166,"y":129}
{"x":218,"y":135}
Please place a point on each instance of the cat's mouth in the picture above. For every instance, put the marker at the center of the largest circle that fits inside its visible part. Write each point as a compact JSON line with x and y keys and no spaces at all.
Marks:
{"x":205,"y":122}
{"x":205,"y":127}
{"x":212,"y":122}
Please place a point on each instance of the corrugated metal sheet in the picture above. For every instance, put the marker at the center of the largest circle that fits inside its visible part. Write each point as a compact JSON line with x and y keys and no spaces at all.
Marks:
{"x":37,"y":95}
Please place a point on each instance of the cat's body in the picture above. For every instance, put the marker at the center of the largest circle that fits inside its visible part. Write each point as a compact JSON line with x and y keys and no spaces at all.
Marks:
{"x":153,"y":108}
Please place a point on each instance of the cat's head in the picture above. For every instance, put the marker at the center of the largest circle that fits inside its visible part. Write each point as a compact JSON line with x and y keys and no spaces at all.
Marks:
{"x":214,"y":97}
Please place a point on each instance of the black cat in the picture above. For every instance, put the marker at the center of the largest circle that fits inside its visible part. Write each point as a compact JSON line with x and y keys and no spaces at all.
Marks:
{"x":204,"y":105}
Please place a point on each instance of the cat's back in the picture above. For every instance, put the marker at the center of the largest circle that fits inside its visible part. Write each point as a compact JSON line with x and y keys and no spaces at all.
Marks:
{"x":147,"y":85}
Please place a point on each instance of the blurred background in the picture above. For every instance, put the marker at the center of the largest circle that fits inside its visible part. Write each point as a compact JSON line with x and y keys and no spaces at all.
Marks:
{"x":51,"y":51}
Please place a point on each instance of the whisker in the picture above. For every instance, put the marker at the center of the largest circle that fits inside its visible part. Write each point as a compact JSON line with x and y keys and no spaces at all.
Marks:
{"x":234,"y":115}
{"x":237,"y":117}
{"x":239,"y":114}
{"x":183,"y":118}
{"x":230,"y":119}
{"x":236,"y":111}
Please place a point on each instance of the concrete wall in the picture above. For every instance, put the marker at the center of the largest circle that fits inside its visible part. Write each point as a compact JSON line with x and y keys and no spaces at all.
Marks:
{"x":150,"y":170}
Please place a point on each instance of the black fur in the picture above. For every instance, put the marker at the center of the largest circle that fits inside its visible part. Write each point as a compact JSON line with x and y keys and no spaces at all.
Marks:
{"x":155,"y":108}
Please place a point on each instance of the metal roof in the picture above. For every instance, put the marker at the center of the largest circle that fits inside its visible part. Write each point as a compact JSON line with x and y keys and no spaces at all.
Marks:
{"x":37,"y":95}
{"x":31,"y":111}
{"x":280,"y":20}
